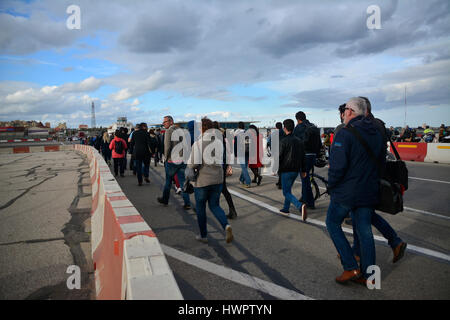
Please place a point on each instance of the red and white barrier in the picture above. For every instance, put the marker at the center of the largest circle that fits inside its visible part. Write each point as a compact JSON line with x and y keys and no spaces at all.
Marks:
{"x":411,"y":151}
{"x":423,"y":152}
{"x":128,"y":260}
{"x":438,"y":152}
{"x":26,"y":140}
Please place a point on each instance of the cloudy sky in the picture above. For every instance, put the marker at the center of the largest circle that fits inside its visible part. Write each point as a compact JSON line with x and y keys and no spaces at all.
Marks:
{"x":229,"y":60}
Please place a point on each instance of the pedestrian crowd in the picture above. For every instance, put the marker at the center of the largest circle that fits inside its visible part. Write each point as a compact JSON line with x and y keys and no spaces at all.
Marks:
{"x":353,"y":179}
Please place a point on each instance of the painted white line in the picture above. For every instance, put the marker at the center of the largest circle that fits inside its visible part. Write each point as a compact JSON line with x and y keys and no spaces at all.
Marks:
{"x":439,"y":181}
{"x":410,"y":247}
{"x":427,"y":213}
{"x":405,"y":208}
{"x":235,"y":276}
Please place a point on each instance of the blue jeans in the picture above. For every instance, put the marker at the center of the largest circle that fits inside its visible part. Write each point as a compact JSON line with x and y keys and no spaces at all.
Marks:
{"x":210,"y":194}
{"x":385,"y":229}
{"x":287,"y":181}
{"x":245,"y":177}
{"x":142,"y":165}
{"x":307,"y":194}
{"x":171,"y":170}
{"x":363,"y":228}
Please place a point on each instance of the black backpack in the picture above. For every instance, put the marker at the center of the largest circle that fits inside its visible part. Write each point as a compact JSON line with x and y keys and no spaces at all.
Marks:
{"x":118,"y":147}
{"x":312,"y":140}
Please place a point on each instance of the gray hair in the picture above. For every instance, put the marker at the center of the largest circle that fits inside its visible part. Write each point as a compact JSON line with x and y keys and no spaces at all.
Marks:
{"x":358,"y":105}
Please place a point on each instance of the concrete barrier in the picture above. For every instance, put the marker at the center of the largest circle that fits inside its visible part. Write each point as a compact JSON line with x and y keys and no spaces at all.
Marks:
{"x":438,"y":152}
{"x":128,"y":260}
{"x":411,"y":151}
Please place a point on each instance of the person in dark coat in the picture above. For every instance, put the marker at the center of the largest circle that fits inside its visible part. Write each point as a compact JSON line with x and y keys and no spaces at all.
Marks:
{"x":142,"y":147}
{"x":353,"y":184}
{"x":292,"y":163}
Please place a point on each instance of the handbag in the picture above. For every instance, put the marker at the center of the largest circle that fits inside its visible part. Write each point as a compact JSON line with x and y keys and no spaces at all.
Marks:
{"x":188,"y":187}
{"x":390,"y":193}
{"x":396,"y":170}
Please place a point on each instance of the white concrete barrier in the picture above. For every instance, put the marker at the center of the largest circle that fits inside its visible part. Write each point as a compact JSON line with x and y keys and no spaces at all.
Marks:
{"x":128,"y":260}
{"x":438,"y":152}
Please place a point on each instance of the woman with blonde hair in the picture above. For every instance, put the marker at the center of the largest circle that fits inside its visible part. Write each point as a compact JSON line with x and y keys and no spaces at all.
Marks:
{"x":104,"y":145}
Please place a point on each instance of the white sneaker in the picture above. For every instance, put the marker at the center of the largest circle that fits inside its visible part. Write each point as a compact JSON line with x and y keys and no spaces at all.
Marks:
{"x":178,"y":191}
{"x":199,"y":238}
{"x":304,"y":212}
{"x":229,"y":234}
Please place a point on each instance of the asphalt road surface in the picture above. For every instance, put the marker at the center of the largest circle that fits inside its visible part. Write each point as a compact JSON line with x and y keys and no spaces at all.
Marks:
{"x":45,"y":202}
{"x":278,"y":257}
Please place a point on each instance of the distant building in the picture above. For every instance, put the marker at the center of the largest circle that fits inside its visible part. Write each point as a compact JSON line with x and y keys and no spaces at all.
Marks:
{"x":47,"y":124}
{"x":37,"y":131}
{"x":83,"y":126}
{"x":121,"y":123}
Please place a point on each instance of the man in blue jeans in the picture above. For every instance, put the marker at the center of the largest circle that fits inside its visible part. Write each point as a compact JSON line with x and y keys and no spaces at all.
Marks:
{"x":353,"y":186}
{"x":310,"y":147}
{"x":172,"y":166}
{"x":292,"y":162}
{"x":241,"y":144}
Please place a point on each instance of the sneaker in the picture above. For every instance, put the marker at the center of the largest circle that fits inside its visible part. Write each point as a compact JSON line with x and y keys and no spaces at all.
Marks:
{"x":245,"y":186}
{"x":147,"y":180}
{"x":178,"y":191}
{"x":199,"y":238}
{"x":284,"y":212}
{"x":259,"y":180}
{"x":229,"y":234}
{"x":304,"y":212}
{"x":160,"y":200}
{"x":399,"y":251}
{"x":187,"y":207}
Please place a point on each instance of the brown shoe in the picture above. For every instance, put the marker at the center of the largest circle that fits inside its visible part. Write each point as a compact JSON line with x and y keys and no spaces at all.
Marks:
{"x":363,"y":281}
{"x":346,"y":276}
{"x":399,"y":251}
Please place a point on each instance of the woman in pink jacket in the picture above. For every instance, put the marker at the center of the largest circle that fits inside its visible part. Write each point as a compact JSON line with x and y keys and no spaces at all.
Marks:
{"x":119,"y":148}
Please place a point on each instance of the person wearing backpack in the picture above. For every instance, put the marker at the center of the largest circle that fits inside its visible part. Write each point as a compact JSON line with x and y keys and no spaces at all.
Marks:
{"x":118,"y":147}
{"x":309,"y":134}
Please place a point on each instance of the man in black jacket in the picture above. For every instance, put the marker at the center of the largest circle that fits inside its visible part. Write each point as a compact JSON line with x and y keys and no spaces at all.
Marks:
{"x":141,"y":152}
{"x":292,"y":161}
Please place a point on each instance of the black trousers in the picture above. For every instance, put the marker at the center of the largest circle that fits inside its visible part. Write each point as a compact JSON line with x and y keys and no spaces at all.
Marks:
{"x":119,"y":163}
{"x":227,"y":194}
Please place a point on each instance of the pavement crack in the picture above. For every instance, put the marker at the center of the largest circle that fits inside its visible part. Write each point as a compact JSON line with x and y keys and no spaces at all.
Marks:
{"x":10,"y":202}
{"x":31,"y":241}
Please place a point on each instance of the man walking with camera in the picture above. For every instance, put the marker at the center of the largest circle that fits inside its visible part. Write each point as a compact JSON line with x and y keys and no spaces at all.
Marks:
{"x":354,"y":186}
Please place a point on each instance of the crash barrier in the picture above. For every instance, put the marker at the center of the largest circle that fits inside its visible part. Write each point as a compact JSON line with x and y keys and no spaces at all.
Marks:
{"x":423,"y":152}
{"x":128,"y":260}
{"x":438,"y":152}
{"x":25,"y":140}
{"x":30,"y":149}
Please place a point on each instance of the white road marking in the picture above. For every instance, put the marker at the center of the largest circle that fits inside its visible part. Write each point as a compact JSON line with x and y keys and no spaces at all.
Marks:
{"x":235,"y":276}
{"x":405,"y":208}
{"x":438,"y":181}
{"x":410,"y":247}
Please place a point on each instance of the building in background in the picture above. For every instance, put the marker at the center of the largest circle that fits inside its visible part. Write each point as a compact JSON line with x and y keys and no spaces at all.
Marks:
{"x":121,"y":123}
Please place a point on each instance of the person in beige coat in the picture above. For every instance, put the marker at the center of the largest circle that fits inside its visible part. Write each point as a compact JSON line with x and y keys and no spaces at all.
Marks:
{"x":208,"y":181}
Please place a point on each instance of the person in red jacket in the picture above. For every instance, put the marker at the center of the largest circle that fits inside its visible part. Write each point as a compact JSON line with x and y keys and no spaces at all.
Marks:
{"x":119,"y":148}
